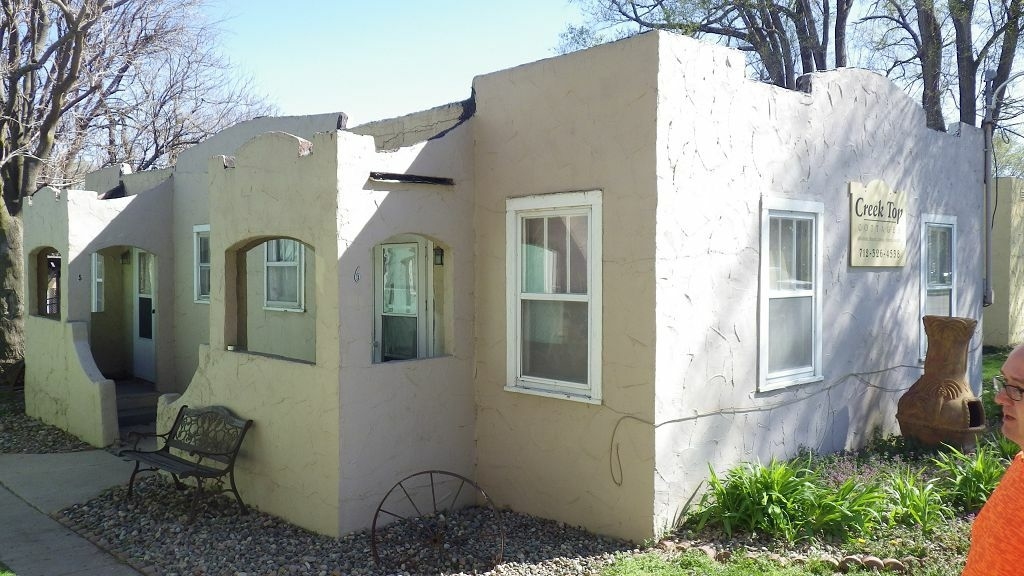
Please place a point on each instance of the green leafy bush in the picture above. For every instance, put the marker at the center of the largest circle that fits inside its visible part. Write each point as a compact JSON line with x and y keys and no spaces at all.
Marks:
{"x":968,"y":479}
{"x":788,"y":501}
{"x":915,"y":501}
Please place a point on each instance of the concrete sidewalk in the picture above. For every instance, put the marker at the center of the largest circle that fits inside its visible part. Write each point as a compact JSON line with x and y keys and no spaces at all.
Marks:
{"x":34,"y":486}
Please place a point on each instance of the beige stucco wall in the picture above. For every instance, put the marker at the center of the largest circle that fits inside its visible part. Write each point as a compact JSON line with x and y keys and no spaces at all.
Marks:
{"x":192,"y":207}
{"x":398,"y":418}
{"x":1004,"y":319}
{"x":410,"y":129}
{"x":285,"y":333}
{"x":584,"y":121}
{"x":278,"y":186}
{"x":65,"y":387}
{"x":110,"y":329}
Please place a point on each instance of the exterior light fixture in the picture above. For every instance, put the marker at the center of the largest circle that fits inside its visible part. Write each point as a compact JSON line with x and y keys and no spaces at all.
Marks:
{"x":438,"y":256}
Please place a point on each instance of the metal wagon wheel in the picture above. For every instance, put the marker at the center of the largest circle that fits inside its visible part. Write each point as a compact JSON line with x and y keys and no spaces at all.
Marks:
{"x":435,"y":521}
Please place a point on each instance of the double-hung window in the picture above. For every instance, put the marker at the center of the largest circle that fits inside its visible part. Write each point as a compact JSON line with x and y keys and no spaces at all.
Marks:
{"x":938,"y":269}
{"x":201,"y":257}
{"x":98,"y":291}
{"x":553,"y":261}
{"x":790,"y":296}
{"x":284,"y":274}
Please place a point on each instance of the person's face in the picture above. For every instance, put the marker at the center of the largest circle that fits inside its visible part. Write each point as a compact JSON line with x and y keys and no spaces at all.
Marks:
{"x":1013,"y":410}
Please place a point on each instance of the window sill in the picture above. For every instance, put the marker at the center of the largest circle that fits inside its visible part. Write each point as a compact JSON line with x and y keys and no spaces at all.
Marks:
{"x":553,"y":394}
{"x":796,"y":381}
{"x":272,"y":308}
{"x":201,"y":301}
{"x":240,"y":350}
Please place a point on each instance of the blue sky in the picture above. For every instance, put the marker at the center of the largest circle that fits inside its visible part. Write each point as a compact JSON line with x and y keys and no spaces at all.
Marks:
{"x":382,"y":58}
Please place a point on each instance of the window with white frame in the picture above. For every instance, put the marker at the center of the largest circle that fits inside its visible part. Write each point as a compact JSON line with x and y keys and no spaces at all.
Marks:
{"x":553,"y":275}
{"x":201,"y":257}
{"x":98,"y":292}
{"x":790,"y":296}
{"x":283,"y":272}
{"x":938,"y":269}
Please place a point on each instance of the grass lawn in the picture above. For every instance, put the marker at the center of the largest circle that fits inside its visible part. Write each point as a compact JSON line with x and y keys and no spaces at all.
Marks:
{"x":924,"y":502}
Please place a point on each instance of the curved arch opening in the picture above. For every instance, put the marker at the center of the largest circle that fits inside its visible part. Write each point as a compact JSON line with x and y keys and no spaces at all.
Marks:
{"x":270,"y":306}
{"x":45,"y":283}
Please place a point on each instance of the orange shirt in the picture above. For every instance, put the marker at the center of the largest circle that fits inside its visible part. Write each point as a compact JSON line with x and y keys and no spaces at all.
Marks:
{"x":998,"y":531}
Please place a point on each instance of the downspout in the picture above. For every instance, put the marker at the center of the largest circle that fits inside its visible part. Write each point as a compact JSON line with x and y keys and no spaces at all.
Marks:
{"x":987,"y":126}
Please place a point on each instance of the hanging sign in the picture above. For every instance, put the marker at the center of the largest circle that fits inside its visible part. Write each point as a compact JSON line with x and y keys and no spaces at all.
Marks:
{"x":878,"y":225}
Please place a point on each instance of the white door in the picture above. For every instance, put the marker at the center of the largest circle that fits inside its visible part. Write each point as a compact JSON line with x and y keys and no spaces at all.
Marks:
{"x":144,"y":315}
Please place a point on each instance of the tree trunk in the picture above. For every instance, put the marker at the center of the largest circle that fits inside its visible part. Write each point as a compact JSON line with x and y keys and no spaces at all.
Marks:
{"x":931,"y":64}
{"x":12,"y":298}
{"x":962,"y":13}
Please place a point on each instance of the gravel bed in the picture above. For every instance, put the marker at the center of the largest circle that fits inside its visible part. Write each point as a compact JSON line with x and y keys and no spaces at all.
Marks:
{"x":153,"y":532}
{"x":20,"y":434}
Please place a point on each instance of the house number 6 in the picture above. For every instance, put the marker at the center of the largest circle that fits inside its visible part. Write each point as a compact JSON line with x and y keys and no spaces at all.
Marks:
{"x":355,"y":275}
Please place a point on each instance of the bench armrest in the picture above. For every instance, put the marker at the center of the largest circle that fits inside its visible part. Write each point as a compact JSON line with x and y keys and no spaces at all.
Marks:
{"x":135,"y":437}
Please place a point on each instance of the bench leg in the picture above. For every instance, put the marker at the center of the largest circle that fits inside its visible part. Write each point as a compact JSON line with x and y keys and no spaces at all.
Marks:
{"x":131,"y":481}
{"x":238,"y":497}
{"x":195,"y":499}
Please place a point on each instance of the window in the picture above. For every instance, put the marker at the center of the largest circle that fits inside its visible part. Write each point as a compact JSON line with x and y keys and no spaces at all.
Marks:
{"x":553,"y":260}
{"x":201,"y":257}
{"x":412,"y":299}
{"x":97,"y":282}
{"x":938,"y":266}
{"x":790,"y":297}
{"x":284,"y":274}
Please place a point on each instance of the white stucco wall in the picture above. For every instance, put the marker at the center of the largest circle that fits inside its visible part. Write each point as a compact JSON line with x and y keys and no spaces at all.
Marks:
{"x":724,"y":144}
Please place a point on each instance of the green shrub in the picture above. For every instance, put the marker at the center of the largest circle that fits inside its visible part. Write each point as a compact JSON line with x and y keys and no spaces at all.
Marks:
{"x":969,"y":479}
{"x":772,"y":500}
{"x":1003,"y":446}
{"x":914,"y":501}
{"x":788,"y":501}
{"x":850,"y":509}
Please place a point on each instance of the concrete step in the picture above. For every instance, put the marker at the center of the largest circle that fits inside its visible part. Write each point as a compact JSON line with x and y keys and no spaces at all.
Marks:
{"x":137,"y":400}
{"x":136,"y":416}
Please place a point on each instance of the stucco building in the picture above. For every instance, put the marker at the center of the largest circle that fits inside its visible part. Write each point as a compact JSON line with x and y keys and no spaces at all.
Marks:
{"x":1004,"y":319}
{"x":602,"y":273}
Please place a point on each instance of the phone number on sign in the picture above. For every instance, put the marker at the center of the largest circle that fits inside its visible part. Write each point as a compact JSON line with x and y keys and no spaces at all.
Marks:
{"x":879,"y":253}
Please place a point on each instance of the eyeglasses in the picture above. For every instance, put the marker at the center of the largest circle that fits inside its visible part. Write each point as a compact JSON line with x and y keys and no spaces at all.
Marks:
{"x":1016,"y":393}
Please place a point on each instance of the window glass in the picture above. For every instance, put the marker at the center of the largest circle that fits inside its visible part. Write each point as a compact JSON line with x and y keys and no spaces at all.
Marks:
{"x":202,"y":256}
{"x":554,"y":342}
{"x":938,"y":269}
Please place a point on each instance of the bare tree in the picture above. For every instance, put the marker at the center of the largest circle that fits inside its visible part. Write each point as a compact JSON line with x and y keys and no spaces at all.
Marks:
{"x":935,"y":49}
{"x":787,"y":38}
{"x":87,"y":83}
{"x":912,"y":43}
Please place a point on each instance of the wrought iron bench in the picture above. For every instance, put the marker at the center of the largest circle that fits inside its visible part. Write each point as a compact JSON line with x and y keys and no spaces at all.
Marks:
{"x":208,"y":440}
